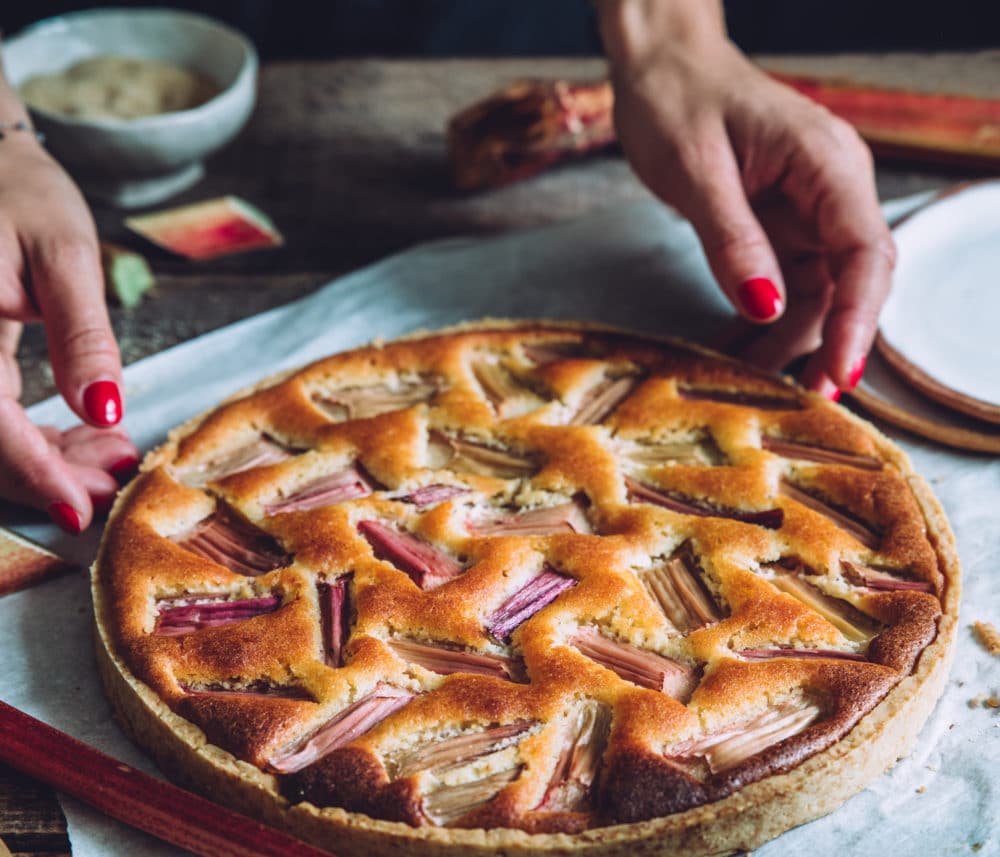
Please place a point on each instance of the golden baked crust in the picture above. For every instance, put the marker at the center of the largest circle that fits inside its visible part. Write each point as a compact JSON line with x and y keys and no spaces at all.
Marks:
{"x":536,"y":586}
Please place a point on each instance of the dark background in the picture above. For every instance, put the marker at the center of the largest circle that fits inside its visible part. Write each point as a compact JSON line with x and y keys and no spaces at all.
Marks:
{"x":441,"y":28}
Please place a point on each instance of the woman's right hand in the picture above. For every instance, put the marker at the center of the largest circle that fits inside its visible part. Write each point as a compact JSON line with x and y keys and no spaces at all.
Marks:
{"x":50,"y":272}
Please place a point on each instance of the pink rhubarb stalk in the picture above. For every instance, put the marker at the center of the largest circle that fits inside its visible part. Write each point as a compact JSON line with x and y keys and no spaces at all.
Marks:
{"x":425,"y":564}
{"x":882,"y":581}
{"x":353,"y":722}
{"x":443,"y":660}
{"x":446,"y":753}
{"x":498,"y":384}
{"x":771,"y":519}
{"x":358,"y":403}
{"x":851,"y":622}
{"x":576,"y":768}
{"x":253,"y":689}
{"x":761,"y":401}
{"x":473,"y":457}
{"x":646,"y":669}
{"x":849,"y":523}
{"x":820,"y":454}
{"x":227,"y":538}
{"x":536,"y":594}
{"x":678,"y":589}
{"x":260,"y":452}
{"x":430,"y":495}
{"x":334,"y":609}
{"x":347,"y":484}
{"x":564,"y":518}
{"x":178,"y":616}
{"x":801,"y":654}
{"x":603,"y":399}
{"x":729,"y":747}
{"x":448,"y":803}
{"x":543,"y":353}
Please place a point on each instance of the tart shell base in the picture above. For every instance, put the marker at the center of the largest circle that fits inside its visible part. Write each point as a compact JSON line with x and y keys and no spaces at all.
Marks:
{"x":745,"y":820}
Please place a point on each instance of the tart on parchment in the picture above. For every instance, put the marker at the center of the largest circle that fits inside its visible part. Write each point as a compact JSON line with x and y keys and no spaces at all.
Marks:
{"x":530,"y":587}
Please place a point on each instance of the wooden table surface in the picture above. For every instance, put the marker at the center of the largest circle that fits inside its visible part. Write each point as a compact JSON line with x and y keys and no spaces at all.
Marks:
{"x":348,"y":158}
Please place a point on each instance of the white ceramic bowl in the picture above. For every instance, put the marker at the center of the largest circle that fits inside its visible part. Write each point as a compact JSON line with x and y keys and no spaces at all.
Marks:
{"x":134,"y":162}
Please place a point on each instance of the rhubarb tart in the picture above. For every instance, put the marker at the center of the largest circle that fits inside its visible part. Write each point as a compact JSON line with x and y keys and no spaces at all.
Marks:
{"x":530,"y":588}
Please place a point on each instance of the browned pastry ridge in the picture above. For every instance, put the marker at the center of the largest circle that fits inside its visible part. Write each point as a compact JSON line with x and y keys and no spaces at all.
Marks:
{"x":531,"y":587}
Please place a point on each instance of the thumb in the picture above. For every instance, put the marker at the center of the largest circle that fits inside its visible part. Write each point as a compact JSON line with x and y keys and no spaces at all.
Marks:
{"x":735,"y":244}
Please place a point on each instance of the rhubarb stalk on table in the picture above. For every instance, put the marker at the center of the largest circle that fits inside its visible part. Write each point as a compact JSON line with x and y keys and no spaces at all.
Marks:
{"x":425,"y":564}
{"x":354,"y":721}
{"x":532,"y":125}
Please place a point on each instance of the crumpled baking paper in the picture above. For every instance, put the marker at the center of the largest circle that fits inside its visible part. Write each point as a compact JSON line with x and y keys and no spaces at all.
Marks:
{"x":637,"y":266}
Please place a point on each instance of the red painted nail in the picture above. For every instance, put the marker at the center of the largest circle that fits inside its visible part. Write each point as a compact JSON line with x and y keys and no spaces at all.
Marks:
{"x":102,"y":503}
{"x":124,"y":469}
{"x":760,"y":298}
{"x":857,"y":372}
{"x":103,"y":403}
{"x":834,"y":394}
{"x":66,"y":517}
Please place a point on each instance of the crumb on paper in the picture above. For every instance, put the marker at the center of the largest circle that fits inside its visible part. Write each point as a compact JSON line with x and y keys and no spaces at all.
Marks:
{"x":921,"y":790}
{"x":977,"y":700}
{"x":992,"y":702}
{"x":989,"y":636}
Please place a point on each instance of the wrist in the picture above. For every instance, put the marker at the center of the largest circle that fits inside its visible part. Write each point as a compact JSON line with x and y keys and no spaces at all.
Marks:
{"x":635,"y":30}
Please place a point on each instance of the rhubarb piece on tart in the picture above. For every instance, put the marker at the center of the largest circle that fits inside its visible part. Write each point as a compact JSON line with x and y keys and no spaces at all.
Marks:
{"x":527,"y":588}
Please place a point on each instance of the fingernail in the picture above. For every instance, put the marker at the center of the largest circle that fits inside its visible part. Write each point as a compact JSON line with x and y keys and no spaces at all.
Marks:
{"x":66,"y":517}
{"x":103,"y":403}
{"x":760,"y":298}
{"x":102,"y":503}
{"x":125,"y":469}
{"x":857,"y":372}
{"x":829,"y":390}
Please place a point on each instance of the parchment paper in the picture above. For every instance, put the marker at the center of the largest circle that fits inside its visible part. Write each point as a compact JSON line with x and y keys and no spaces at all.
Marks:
{"x":637,"y":266}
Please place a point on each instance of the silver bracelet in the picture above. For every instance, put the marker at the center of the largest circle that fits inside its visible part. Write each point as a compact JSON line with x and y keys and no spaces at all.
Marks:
{"x":20,"y":125}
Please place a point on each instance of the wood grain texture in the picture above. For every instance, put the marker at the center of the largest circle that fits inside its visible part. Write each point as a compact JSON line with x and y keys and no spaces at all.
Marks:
{"x":348,"y":157}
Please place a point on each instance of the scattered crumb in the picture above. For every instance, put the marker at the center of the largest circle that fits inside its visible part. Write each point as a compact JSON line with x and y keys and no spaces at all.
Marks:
{"x":977,"y":846}
{"x":984,"y":701}
{"x":921,"y":790}
{"x":977,"y":700}
{"x":989,"y":636}
{"x":992,"y":702}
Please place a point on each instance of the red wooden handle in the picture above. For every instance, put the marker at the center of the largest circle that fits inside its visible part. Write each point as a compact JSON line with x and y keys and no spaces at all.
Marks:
{"x":135,"y":798}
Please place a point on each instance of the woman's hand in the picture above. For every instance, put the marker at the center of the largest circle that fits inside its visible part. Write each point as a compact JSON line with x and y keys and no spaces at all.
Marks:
{"x":780,"y":192}
{"x":50,"y":271}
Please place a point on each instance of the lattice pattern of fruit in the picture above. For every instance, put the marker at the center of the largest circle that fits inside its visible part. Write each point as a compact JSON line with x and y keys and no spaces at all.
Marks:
{"x":537,"y":578}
